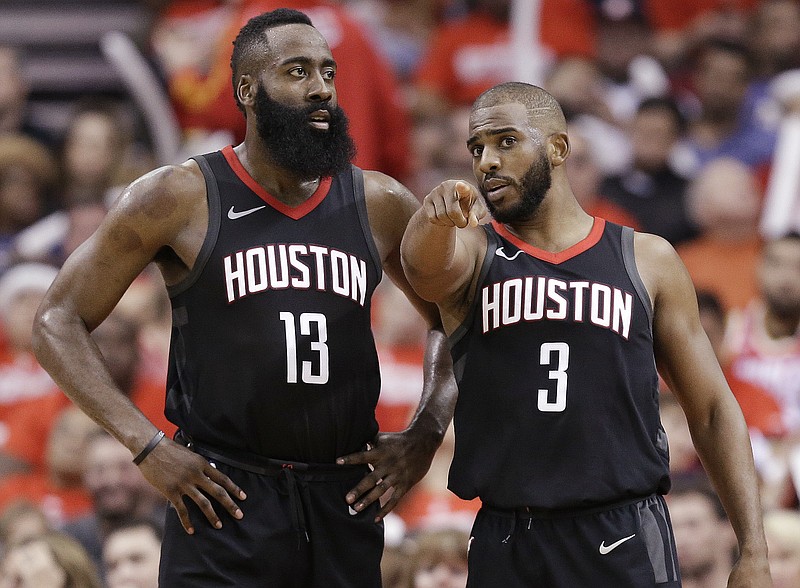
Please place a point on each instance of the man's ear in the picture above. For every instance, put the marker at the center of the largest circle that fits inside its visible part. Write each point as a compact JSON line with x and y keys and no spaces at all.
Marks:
{"x":558,"y":148}
{"x":246,"y":90}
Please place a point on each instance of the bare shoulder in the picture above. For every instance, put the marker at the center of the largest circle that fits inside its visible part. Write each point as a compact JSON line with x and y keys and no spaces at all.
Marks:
{"x":164,"y":192}
{"x":659,"y":265}
{"x":384,"y":192}
{"x":390,"y":205}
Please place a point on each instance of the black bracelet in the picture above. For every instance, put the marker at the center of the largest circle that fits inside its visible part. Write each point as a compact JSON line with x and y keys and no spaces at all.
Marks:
{"x":149,"y":447}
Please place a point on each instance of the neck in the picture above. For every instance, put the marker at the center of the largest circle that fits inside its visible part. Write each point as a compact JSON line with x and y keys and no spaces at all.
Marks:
{"x":559,"y":223}
{"x":281,"y":183}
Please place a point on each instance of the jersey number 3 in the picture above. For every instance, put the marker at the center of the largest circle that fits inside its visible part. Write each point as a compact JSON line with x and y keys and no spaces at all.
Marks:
{"x":559,"y":375}
{"x":315,"y":372}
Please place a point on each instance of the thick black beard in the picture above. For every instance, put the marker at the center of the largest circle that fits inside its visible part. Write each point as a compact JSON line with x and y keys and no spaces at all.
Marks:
{"x":295,"y":146}
{"x":533,"y":188}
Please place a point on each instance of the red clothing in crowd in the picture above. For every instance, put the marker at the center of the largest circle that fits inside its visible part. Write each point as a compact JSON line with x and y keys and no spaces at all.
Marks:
{"x":31,"y":427}
{"x":468,"y":56}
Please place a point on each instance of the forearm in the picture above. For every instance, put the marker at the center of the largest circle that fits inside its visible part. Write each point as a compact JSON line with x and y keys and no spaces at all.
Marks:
{"x":439,"y":391}
{"x":63,"y":346}
{"x":723,"y":444}
{"x":428,"y":250}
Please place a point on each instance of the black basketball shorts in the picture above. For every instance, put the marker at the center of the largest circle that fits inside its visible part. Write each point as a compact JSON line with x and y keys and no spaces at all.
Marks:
{"x":628,"y":546}
{"x":297,"y":531}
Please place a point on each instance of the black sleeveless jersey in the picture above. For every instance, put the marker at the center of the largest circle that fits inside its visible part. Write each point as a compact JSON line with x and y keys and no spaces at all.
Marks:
{"x":558,"y":390}
{"x":272,"y":350}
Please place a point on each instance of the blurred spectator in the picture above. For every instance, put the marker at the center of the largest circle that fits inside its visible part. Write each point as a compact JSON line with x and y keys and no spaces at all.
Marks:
{"x":119,"y":493}
{"x":438,"y":559}
{"x":782,"y":528}
{"x":775,"y":44}
{"x":15,"y":116}
{"x":21,"y":521}
{"x":683,"y":458}
{"x":199,"y":77}
{"x":776,"y":37}
{"x":131,"y":554}
{"x":651,"y":188}
{"x":437,"y":153}
{"x":724,"y":201}
{"x":703,"y":535}
{"x":578,"y":86}
{"x":52,"y":560}
{"x":721,"y":125}
{"x":399,"y":29}
{"x":27,"y":176}
{"x":57,"y":489}
{"x":400,"y":339}
{"x":97,"y":153}
{"x":584,"y":179}
{"x":394,"y":567}
{"x":761,"y":411}
{"x":55,"y":237}
{"x":117,"y":338}
{"x":763,"y":338}
{"x":22,"y":379}
{"x":682,"y":25}
{"x":471,"y":54}
{"x":630,"y":73}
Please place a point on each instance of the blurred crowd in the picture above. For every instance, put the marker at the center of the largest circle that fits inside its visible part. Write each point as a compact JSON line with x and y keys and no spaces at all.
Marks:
{"x":678,"y":113}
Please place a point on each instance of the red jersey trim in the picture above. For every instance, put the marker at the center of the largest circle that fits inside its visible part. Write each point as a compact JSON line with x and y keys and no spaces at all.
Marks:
{"x":295,"y":212}
{"x":555,"y":258}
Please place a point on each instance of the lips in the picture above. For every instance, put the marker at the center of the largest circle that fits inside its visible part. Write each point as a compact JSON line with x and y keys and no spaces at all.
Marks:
{"x":493,"y":188}
{"x":320,"y":119}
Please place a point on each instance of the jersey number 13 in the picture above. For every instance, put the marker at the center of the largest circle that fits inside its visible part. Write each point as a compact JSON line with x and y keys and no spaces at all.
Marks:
{"x":311,"y":372}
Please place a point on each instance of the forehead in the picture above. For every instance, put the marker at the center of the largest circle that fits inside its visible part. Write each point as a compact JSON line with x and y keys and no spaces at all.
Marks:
{"x":512,"y":115}
{"x":296,"y":41}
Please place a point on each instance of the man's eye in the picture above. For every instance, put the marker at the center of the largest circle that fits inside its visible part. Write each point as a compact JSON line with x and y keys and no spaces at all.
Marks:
{"x":476,"y":151}
{"x":329,"y":75}
{"x":298,"y":71}
{"x":508,"y":141}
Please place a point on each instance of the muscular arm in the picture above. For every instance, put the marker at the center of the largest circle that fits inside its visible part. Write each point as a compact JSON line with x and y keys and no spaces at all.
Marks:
{"x":156,"y":213}
{"x":687,"y":362}
{"x":442,"y":248}
{"x":400,"y":460}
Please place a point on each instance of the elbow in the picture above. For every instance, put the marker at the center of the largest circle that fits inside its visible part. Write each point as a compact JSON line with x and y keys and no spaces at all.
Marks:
{"x":39,"y":333}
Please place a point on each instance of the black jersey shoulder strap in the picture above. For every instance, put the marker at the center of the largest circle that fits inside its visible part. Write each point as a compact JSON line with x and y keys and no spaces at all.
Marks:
{"x":214,"y":207}
{"x":357,"y":178}
{"x":629,"y":258}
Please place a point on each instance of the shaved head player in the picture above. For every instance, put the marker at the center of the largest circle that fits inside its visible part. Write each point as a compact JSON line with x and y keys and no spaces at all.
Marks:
{"x":557,"y":323}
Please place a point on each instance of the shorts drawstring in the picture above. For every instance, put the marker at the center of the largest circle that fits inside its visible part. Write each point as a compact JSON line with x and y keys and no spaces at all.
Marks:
{"x":295,"y":504}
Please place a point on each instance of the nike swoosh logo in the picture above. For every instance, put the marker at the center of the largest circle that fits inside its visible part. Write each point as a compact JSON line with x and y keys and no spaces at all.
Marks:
{"x":604,"y":549}
{"x":233,"y":215}
{"x":502,"y":254}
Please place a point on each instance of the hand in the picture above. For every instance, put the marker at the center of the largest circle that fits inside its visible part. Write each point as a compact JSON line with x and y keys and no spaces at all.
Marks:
{"x":750,"y":572}
{"x":399,"y":460}
{"x":455,"y":203}
{"x":175,"y":471}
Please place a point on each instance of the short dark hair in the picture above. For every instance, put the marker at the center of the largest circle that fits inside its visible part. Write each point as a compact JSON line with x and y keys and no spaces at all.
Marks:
{"x":251,"y":39}
{"x":725,"y":45}
{"x":535,"y":99}
{"x":664,"y":104}
{"x":153,"y":525}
